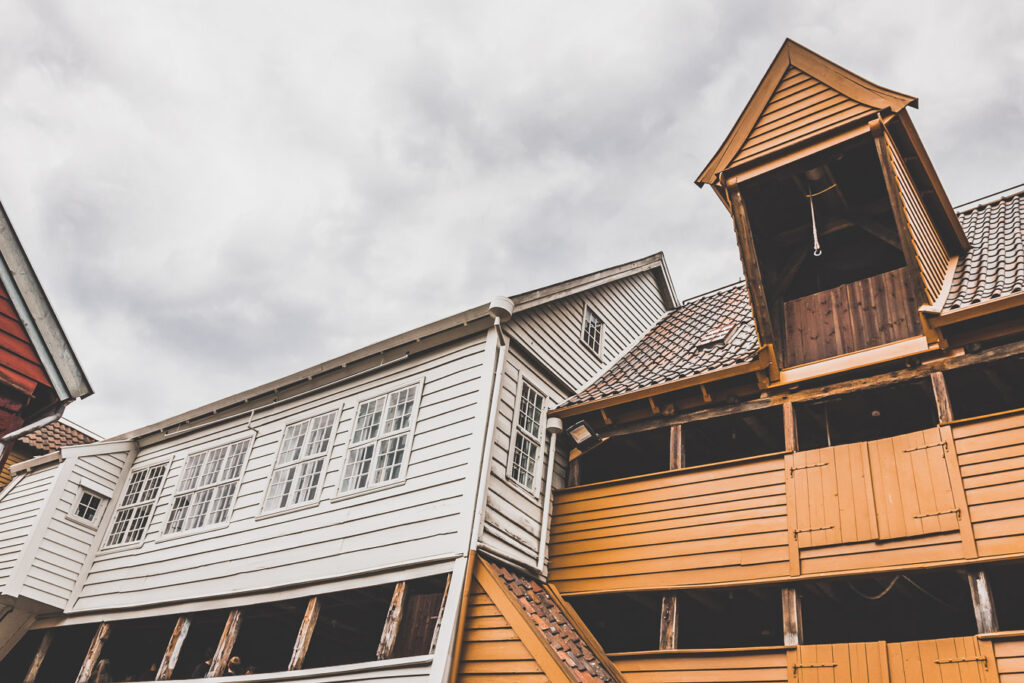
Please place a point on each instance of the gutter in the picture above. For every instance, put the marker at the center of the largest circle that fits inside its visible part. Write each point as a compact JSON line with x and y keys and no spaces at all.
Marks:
{"x":978,"y":310}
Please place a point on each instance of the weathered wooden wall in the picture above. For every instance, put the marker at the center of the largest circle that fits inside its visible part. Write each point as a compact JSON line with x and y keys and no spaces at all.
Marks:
{"x":490,"y":648}
{"x":859,"y":315}
{"x":763,"y":665}
{"x":628,"y":308}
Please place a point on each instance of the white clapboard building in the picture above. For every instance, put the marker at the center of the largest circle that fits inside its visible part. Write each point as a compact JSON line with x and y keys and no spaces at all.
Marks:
{"x":316,"y":528}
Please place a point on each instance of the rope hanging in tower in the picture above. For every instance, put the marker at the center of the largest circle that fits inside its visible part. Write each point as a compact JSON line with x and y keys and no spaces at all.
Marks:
{"x":814,"y":224}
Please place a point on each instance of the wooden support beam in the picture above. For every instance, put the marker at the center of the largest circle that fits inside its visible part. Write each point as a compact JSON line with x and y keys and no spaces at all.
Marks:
{"x":92,"y":655}
{"x":305,"y":634}
{"x":942,"y":403}
{"x":789,"y":426}
{"x":393,"y":621}
{"x":219,"y":663}
{"x":572,"y":477}
{"x":676,"y":448}
{"x":37,"y":661}
{"x":668,"y":638}
{"x":984,"y":606}
{"x":792,"y":617}
{"x":751,"y":269}
{"x":170,"y":659}
{"x":440,"y":613}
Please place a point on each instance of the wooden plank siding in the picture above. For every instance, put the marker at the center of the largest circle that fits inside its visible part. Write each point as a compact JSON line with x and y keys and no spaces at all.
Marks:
{"x":687,"y":527}
{"x":5,"y":473}
{"x":801,"y":107}
{"x":490,"y":647}
{"x":763,"y":665}
{"x":416,"y":519}
{"x":991,"y":457}
{"x":932,"y":255}
{"x":859,"y":315}
{"x":20,"y":504}
{"x":19,"y":361}
{"x":1009,"y":656}
{"x":628,"y":307}
{"x":950,"y":660}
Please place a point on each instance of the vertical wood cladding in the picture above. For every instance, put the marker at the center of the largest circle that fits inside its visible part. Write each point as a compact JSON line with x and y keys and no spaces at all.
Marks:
{"x":951,"y":660}
{"x":764,"y":665}
{"x":800,"y":107}
{"x":859,"y":315}
{"x":932,"y":256}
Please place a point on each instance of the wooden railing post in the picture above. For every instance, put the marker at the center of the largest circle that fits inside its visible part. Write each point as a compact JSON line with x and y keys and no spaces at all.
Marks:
{"x":942,"y":403}
{"x":37,"y":661}
{"x":668,"y":638}
{"x":984,"y":606}
{"x":572,"y":477}
{"x":792,"y":617}
{"x":676,"y":447}
{"x":789,"y":426}
{"x":170,"y":658}
{"x":440,"y":613}
{"x":219,"y":663}
{"x":305,"y":634}
{"x":394,"y":619}
{"x":92,"y":655}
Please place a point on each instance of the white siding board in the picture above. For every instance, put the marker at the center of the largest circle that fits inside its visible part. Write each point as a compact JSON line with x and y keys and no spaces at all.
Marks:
{"x":19,"y":512}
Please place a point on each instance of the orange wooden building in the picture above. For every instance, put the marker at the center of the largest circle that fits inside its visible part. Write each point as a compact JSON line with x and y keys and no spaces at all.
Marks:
{"x":816,"y":474}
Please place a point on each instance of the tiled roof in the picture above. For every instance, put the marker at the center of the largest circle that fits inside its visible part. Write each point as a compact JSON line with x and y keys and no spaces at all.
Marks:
{"x":54,"y":436}
{"x":545,"y":612}
{"x":994,"y":265}
{"x":677,"y":347}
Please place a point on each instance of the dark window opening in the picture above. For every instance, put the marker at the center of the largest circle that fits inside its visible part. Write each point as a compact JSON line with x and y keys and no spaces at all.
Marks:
{"x":626,"y":456}
{"x":622,"y":622}
{"x":66,"y":653}
{"x":1004,"y":580}
{"x":744,"y":617}
{"x":419,"y":616}
{"x":866,"y":415}
{"x":349,"y":627}
{"x":986,"y":388}
{"x":15,"y":665}
{"x":201,"y":642}
{"x":756,"y":432}
{"x":134,"y":648}
{"x":893,"y":608}
{"x":267,"y":635}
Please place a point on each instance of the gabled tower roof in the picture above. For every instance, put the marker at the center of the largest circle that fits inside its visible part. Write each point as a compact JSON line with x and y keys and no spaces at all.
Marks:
{"x":800,"y":96}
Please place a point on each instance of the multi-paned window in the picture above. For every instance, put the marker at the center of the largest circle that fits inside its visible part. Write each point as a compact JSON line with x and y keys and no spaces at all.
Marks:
{"x":380,"y":440}
{"x":529,"y":441}
{"x":132,"y":516}
{"x":88,"y":506}
{"x":593,"y":330}
{"x":207,"y":487}
{"x":300,"y":462}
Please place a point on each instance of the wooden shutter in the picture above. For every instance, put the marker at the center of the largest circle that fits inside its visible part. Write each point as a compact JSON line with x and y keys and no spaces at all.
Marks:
{"x":831,"y":489}
{"x":840,"y":663}
{"x":949,"y":660}
{"x":912,"y":491}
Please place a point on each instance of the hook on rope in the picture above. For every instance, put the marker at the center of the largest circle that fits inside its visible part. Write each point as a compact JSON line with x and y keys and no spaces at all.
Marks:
{"x":814,"y":224}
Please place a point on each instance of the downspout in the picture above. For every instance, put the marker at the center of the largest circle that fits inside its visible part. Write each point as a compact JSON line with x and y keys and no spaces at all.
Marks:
{"x":554,"y":428}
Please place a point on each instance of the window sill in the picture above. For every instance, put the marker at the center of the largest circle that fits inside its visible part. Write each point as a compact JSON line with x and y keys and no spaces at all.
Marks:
{"x":284,"y":511}
{"x":78,"y":521}
{"x":111,"y":549}
{"x":166,"y":537}
{"x":320,"y":672}
{"x":368,"y":490}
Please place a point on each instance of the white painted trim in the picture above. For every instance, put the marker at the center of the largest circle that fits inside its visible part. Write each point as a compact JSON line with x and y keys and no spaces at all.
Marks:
{"x":326,"y":457}
{"x":480,"y":486}
{"x":166,"y":462}
{"x":100,"y":510}
{"x":534,"y":384}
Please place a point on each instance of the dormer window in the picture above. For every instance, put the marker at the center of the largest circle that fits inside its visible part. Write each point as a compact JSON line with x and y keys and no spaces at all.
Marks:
{"x":593,"y":330}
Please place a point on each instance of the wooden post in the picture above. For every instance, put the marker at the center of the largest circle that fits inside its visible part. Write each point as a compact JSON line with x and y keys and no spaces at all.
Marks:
{"x":789,"y":426}
{"x":92,"y":655}
{"x":572,"y":477}
{"x":751,"y":269}
{"x":394,"y":619}
{"x":792,"y":617}
{"x":170,"y":659}
{"x":942,"y":403}
{"x":37,"y":661}
{"x":669,"y":632}
{"x":676,"y":447}
{"x":984,"y":607}
{"x":219,"y":663}
{"x":440,"y":613}
{"x":305,"y":634}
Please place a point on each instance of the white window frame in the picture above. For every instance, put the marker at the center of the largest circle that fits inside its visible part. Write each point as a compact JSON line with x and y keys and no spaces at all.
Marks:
{"x":153,"y":502}
{"x":540,"y":440}
{"x":82,"y":490}
{"x":588,"y":309}
{"x":227,"y":443}
{"x":353,"y":445}
{"x":303,"y":459}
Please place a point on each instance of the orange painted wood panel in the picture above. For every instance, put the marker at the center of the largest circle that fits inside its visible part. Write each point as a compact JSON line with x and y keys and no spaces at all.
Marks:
{"x":1009,"y":655}
{"x":840,"y":663}
{"x":762,"y":666}
{"x":956,"y":660}
{"x":832,"y":496}
{"x":490,"y":646}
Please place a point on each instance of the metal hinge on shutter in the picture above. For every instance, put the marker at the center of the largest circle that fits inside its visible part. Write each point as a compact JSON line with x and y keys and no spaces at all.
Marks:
{"x":806,"y":467}
{"x":813,"y":528}
{"x":936,"y":514}
{"x":983,"y":660}
{"x":830,"y":665}
{"x":945,"y":447}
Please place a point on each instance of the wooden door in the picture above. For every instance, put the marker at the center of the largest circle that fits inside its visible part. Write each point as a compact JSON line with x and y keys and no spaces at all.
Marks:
{"x":830,"y":489}
{"x":912,"y":491}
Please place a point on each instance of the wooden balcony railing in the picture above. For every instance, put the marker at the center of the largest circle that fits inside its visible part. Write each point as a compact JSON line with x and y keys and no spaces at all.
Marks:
{"x":928,"y":498}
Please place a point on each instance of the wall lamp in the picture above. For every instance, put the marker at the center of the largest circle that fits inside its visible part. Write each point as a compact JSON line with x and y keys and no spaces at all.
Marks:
{"x":583,"y":435}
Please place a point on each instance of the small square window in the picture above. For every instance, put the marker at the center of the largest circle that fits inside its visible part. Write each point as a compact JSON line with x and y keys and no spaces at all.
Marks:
{"x":88,"y":507}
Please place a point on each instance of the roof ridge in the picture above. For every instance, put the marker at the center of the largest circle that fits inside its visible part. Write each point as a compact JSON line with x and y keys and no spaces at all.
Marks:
{"x":999,"y":200}
{"x":716,"y":290}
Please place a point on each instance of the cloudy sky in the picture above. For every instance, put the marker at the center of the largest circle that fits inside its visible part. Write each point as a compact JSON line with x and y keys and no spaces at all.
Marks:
{"x":215,"y":194}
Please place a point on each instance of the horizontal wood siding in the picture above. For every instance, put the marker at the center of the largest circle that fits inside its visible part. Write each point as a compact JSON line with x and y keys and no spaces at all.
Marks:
{"x":490,"y":648}
{"x":512,"y":521}
{"x":1009,"y":655}
{"x":721,"y":524}
{"x":375,"y":529}
{"x":932,"y":255}
{"x":5,"y":473}
{"x":762,"y":666}
{"x":64,"y":548}
{"x":628,"y":307}
{"x":991,"y":455}
{"x":851,"y":317}
{"x":20,"y":505}
{"x":800,"y":107}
